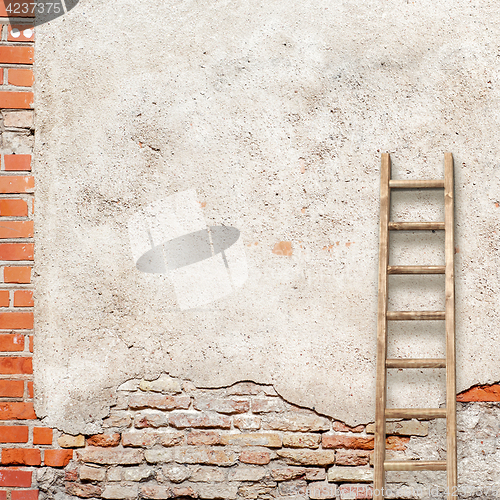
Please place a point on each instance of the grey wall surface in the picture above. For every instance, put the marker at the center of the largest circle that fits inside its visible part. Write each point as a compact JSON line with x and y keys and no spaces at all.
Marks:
{"x":156,"y":120}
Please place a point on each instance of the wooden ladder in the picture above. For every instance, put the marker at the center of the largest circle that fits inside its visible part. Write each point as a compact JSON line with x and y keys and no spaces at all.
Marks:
{"x":382,"y":413}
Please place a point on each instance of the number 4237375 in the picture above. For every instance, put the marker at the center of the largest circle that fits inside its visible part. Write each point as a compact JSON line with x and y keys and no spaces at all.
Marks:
{"x":30,"y":7}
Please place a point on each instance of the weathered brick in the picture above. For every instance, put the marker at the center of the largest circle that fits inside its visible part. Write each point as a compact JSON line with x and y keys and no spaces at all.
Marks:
{"x":222,"y":405}
{"x":341,"y":427}
{"x":183,"y":420}
{"x":140,"y":401}
{"x":403,"y":428}
{"x":255,"y":457}
{"x":250,"y":389}
{"x":355,"y":491}
{"x":252,"y":439}
{"x":203,"y":438}
{"x":296,"y":423}
{"x":296,"y":487}
{"x":217,"y":491}
{"x":118,"y":419}
{"x":246,"y":473}
{"x":263,"y":489}
{"x":15,"y":478}
{"x":17,"y":411}
{"x":21,"y":456}
{"x":156,"y":456}
{"x":313,"y":474}
{"x":14,"y":434}
{"x":92,"y":473}
{"x":301,"y":440}
{"x":16,"y":183}
{"x":156,"y":492}
{"x":148,"y":438}
{"x":150,"y":418}
{"x":104,"y":440}
{"x":489,"y":393}
{"x":268,"y":405}
{"x":137,"y":473}
{"x":184,"y":491}
{"x":352,"y":457}
{"x":397,"y":443}
{"x":350,"y":474}
{"x":57,"y":458}
{"x":288,"y":473}
{"x":12,"y":365}
{"x":349,"y":442}
{"x":110,"y":456}
{"x":10,"y":343}
{"x":177,"y":473}
{"x":307,"y":457}
{"x":246,"y":422}
{"x":11,"y":389}
{"x":322,"y":491}
{"x":69,"y":441}
{"x":19,"y":119}
{"x":83,"y":490}
{"x":207,"y":474}
{"x":205,"y":455}
{"x":164,"y":384}
{"x":114,"y":474}
{"x":118,"y":491}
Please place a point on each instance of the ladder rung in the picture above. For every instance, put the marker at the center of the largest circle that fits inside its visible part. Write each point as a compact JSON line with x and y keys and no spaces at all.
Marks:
{"x":415,"y":413}
{"x":415,"y":465}
{"x":415,"y":226}
{"x":416,"y":184}
{"x":416,"y":363}
{"x":415,"y":315}
{"x":416,"y":269}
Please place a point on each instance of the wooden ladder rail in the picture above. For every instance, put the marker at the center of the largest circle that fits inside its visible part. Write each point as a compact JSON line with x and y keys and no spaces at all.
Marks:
{"x":381,"y":410}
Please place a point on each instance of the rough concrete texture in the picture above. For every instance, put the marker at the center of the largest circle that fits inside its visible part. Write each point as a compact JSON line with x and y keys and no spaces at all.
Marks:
{"x":275,"y":113}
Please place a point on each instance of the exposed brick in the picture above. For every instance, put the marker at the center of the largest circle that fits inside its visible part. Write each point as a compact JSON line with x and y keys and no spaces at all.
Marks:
{"x":4,"y":298}
{"x":118,"y":491}
{"x":15,"y":478}
{"x":14,"y":434}
{"x":355,"y":491}
{"x":246,"y":473}
{"x":159,"y":402}
{"x":316,"y":474}
{"x":16,"y":320}
{"x":21,"y":456}
{"x":288,"y":473}
{"x":18,"y":119}
{"x":205,"y":455}
{"x":16,"y":251}
{"x":246,"y":422}
{"x":350,"y":474}
{"x":11,"y":388}
{"x":118,"y":419}
{"x":322,"y":491}
{"x":184,"y":491}
{"x":252,"y":439}
{"x":164,"y":383}
{"x":57,"y":458}
{"x":17,"y":274}
{"x":104,"y":440}
{"x":3,"y":494}
{"x":341,"y":427}
{"x":110,"y":456}
{"x":11,"y":343}
{"x":16,"y":55}
{"x":301,"y":440}
{"x":24,"y":495}
{"x":349,"y":442}
{"x":198,"y":438}
{"x":42,"y":435}
{"x":267,"y":405}
{"x":71,"y":474}
{"x":255,"y":457}
{"x":83,"y":490}
{"x":150,"y":438}
{"x":397,"y":443}
{"x":92,"y":473}
{"x":178,"y":473}
{"x":202,"y":420}
{"x":150,"y":418}
{"x":250,"y":389}
{"x":20,"y":77}
{"x":222,"y":405}
{"x":288,"y":488}
{"x":12,"y":365}
{"x":17,"y":411}
{"x":352,"y":457}
{"x":480,"y":393}
{"x":69,"y":441}
{"x":16,"y":100}
{"x":219,"y":491}
{"x":18,"y":162}
{"x":156,"y":492}
{"x":23,"y":298}
{"x":205,"y":474}
{"x":20,"y":33}
{"x":31,"y":343}
{"x":296,"y":423}
{"x":403,"y":428}
{"x":16,"y":183}
{"x":307,"y":457}
{"x":30,"y":387}
{"x":13,"y":208}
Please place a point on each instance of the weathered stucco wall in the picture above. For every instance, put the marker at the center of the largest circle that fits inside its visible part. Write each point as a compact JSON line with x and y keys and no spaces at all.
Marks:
{"x":273,"y":114}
